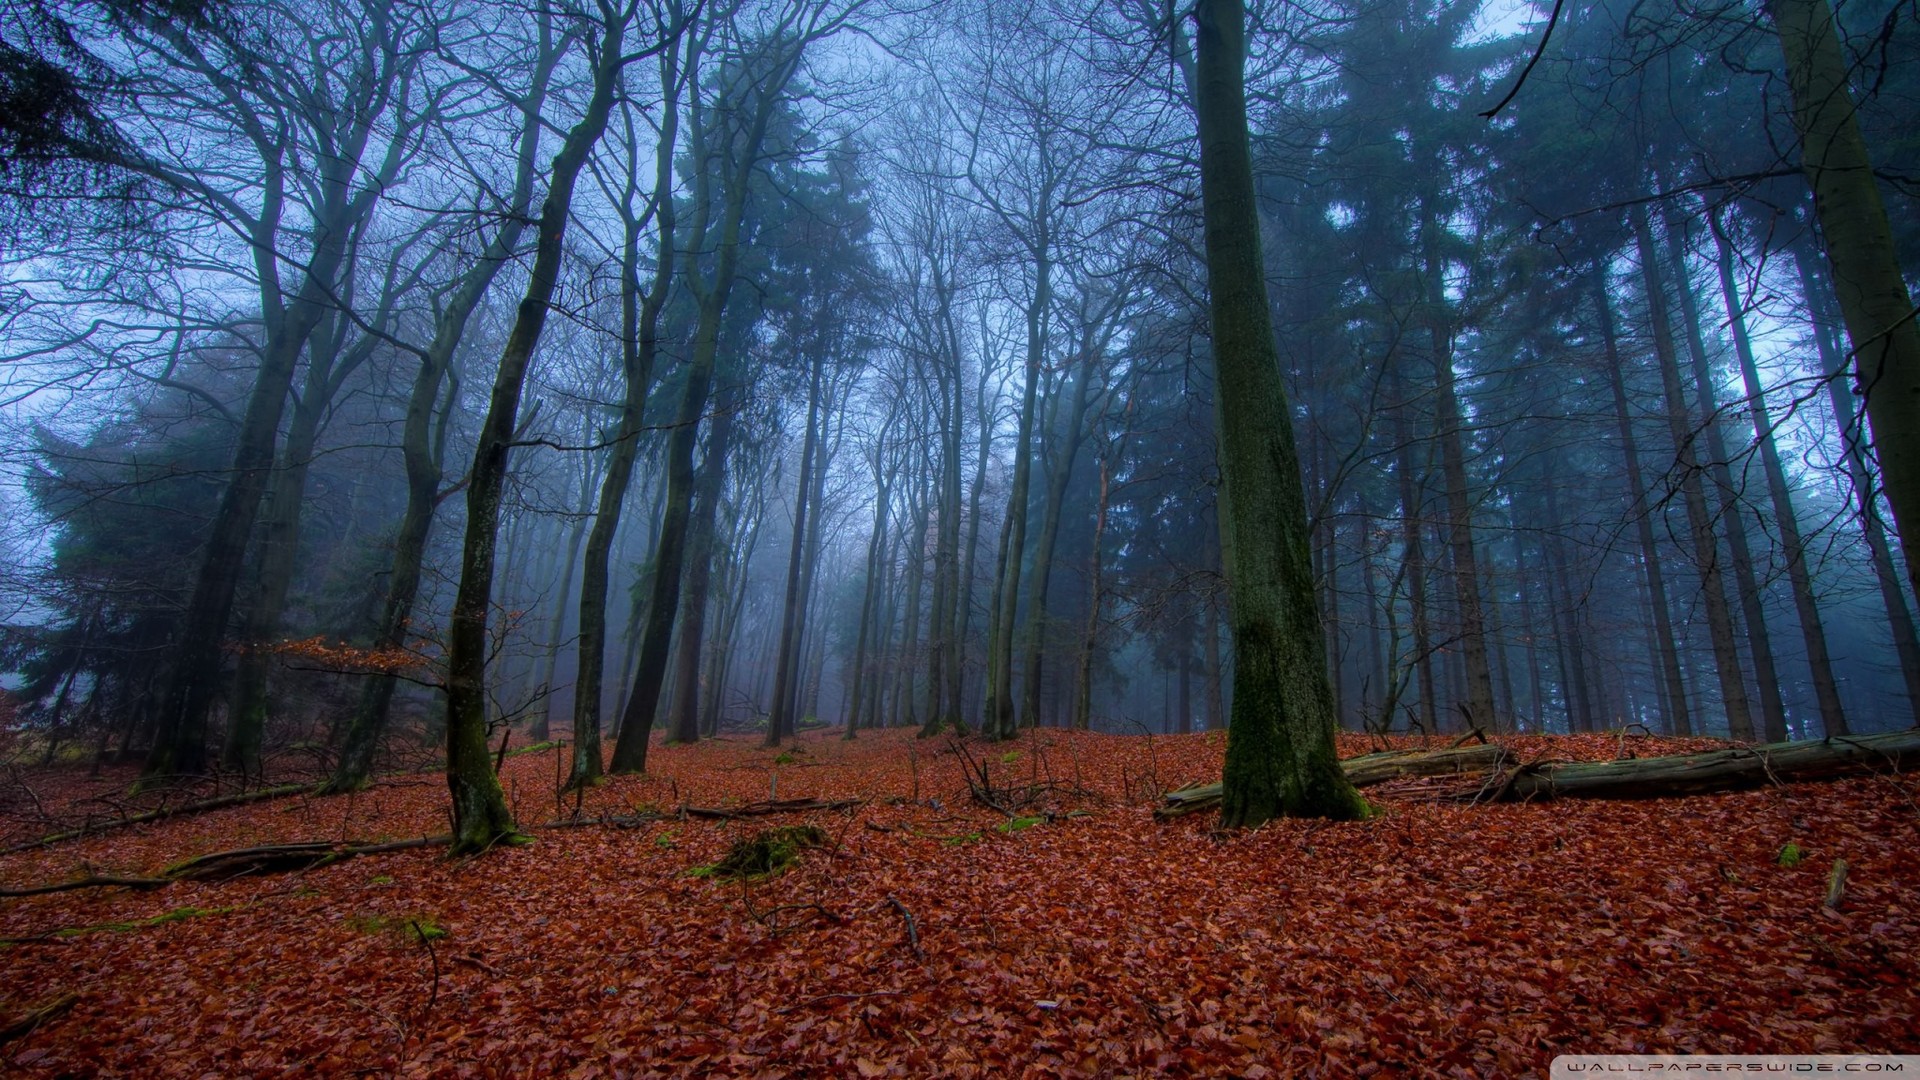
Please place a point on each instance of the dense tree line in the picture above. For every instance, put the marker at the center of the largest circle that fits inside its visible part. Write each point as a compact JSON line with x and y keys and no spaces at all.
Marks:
{"x":385,"y":374}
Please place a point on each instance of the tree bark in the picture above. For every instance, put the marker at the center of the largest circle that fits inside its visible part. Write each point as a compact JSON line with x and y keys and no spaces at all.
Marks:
{"x":781,"y":723}
{"x":1706,"y":554}
{"x":739,"y":155}
{"x":1453,"y":468}
{"x":1707,"y":773}
{"x":1892,"y":597}
{"x":1679,"y":717}
{"x":1738,"y":769}
{"x":1067,"y":438}
{"x":1000,"y":721}
{"x":480,"y":815}
{"x":1280,"y":756}
{"x":1874,"y":301}
{"x":683,"y":715}
{"x":1813,"y":634}
{"x":1414,"y":558}
{"x":1773,"y":709}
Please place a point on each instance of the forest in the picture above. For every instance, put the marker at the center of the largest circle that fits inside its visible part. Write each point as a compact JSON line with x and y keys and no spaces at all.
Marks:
{"x":956,"y":537}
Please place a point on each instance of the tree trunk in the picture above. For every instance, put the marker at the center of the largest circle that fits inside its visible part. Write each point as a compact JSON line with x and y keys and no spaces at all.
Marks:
{"x":1067,"y":439}
{"x":683,"y":715}
{"x":1826,"y":688}
{"x":1000,"y":721}
{"x":1679,"y":718}
{"x":1738,"y":769}
{"x":1707,"y":773}
{"x":1832,"y":364}
{"x":1866,"y":277}
{"x":740,"y":160}
{"x":970,"y":554}
{"x":1773,"y":709}
{"x":781,"y":724}
{"x":1706,"y":554}
{"x":915,"y":550}
{"x":876,"y":550}
{"x":1453,"y":468}
{"x":480,"y":814}
{"x":1414,"y":558}
{"x":639,"y":348}
{"x":180,"y":741}
{"x":1363,"y":771}
{"x":1090,"y":632}
{"x":278,"y":547}
{"x":1280,"y":753}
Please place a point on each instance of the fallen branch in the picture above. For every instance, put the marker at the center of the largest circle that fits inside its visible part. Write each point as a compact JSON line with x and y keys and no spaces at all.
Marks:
{"x":202,"y":806}
{"x":286,"y":858}
{"x":91,"y":881}
{"x":1836,"y":885}
{"x":1712,"y":771}
{"x":612,"y":821}
{"x":34,"y":1017}
{"x":642,"y":818}
{"x":770,"y":806}
{"x":913,"y":928}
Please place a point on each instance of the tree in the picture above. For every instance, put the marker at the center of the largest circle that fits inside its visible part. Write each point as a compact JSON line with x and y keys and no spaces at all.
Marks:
{"x":480,"y":815}
{"x":1866,"y":274}
{"x":1280,"y":753}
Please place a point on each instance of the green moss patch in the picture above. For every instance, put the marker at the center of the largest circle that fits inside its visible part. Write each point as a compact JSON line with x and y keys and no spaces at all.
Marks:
{"x":765,"y":853}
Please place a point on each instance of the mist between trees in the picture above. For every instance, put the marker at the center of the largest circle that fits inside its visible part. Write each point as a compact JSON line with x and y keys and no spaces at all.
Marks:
{"x":383,"y":374}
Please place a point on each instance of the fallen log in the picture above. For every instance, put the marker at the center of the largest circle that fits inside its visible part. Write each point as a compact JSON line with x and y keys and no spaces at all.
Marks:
{"x":771,"y":806}
{"x":285,"y":858}
{"x":1363,"y":771}
{"x":1506,"y":780}
{"x":220,"y":802}
{"x":1736,"y":769}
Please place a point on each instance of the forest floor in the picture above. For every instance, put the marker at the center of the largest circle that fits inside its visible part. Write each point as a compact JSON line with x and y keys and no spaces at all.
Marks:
{"x":936,"y":937}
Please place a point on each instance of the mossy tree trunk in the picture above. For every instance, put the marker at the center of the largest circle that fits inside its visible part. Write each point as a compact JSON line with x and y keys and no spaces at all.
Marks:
{"x":480,"y":814}
{"x":1874,"y":301}
{"x":1280,"y":751}
{"x":423,"y":432}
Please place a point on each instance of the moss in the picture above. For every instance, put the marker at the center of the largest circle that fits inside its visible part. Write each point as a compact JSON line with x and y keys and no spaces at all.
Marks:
{"x":765,"y":853}
{"x":180,"y":914}
{"x":784,"y":759}
{"x":532,"y":748}
{"x":1791,"y":855}
{"x":1014,"y":825}
{"x":963,"y":838}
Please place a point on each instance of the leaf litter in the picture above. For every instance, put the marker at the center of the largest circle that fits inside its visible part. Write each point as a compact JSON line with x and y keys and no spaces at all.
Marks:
{"x":1081,"y":938}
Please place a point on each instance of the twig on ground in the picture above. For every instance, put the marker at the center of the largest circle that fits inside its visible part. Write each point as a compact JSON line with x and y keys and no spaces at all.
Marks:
{"x":913,"y":928}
